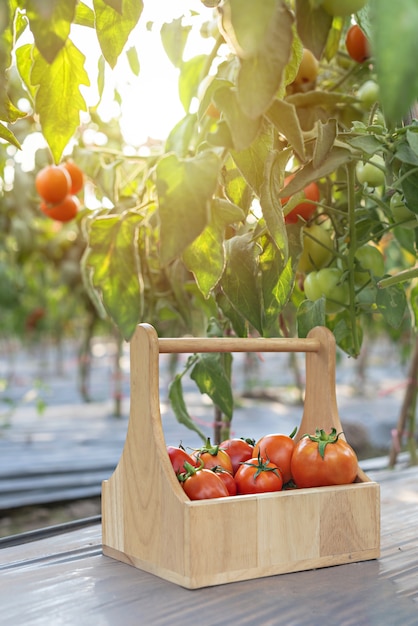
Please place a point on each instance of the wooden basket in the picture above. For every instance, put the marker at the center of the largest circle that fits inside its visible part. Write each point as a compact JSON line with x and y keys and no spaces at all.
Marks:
{"x":149,"y":522}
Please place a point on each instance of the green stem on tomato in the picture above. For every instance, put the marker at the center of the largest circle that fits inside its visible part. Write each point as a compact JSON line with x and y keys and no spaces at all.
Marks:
{"x":400,"y":277}
{"x":351,"y":199}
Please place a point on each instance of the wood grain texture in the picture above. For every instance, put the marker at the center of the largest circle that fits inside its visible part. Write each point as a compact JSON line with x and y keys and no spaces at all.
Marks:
{"x":149,"y":522}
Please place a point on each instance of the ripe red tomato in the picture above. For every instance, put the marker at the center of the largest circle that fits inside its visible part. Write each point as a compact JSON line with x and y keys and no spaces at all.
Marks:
{"x":278,"y":449}
{"x":227,"y":479}
{"x":305,"y":210}
{"x":211,"y":456}
{"x":63,"y":211}
{"x":238,"y":450}
{"x":76,"y":175}
{"x":258,"y":475}
{"x":203,"y":484}
{"x":178,"y":457}
{"x":53,"y":183}
{"x":323,"y":459}
{"x":357,"y":44}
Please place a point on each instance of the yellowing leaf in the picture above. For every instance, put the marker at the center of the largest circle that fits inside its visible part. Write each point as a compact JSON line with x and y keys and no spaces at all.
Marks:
{"x":113,"y":27}
{"x":58,"y":99}
{"x":50,"y":24}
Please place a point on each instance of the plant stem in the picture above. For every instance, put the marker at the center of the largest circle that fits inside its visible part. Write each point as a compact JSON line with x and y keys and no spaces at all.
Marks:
{"x":351,"y":199}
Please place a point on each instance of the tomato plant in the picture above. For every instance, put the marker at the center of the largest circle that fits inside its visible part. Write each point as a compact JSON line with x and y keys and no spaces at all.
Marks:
{"x":238,"y":450}
{"x":371,"y":172}
{"x":328,"y":283}
{"x":178,"y":457}
{"x":304,"y":209}
{"x":278,"y":449}
{"x":258,"y":475}
{"x":53,"y":183}
{"x":64,"y":210}
{"x":212,"y":456}
{"x":317,"y":248}
{"x":357,"y":44}
{"x":202,"y":484}
{"x":323,"y":459}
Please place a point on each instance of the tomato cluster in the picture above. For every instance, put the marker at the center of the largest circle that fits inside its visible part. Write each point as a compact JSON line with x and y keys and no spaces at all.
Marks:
{"x":276,"y":462}
{"x":58,"y":186}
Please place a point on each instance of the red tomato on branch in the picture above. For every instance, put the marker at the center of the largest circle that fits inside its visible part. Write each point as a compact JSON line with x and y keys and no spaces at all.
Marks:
{"x":304,"y":209}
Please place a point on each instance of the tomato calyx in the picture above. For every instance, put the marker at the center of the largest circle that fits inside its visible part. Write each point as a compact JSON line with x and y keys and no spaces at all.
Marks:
{"x":190,"y":470}
{"x":323,"y":439}
{"x":208,"y":448}
{"x":262,"y":465}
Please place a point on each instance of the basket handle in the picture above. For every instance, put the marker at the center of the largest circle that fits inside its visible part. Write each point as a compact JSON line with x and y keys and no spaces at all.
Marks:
{"x":320,"y":406}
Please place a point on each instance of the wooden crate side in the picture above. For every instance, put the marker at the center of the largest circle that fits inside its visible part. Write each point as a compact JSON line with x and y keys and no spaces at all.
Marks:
{"x":255,"y":536}
{"x":143,"y":505}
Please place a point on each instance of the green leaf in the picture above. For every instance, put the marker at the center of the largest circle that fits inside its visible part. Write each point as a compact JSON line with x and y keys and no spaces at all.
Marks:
{"x":260,"y":76}
{"x":240,"y":282}
{"x":190,"y":75}
{"x":235,"y":185}
{"x":395,"y":27}
{"x":8,"y":136}
{"x":84,"y":15}
{"x":211,"y":378}
{"x":251,"y":162}
{"x":58,"y":99}
{"x":243,"y":129}
{"x":50,"y":24}
{"x":113,"y":27}
{"x":175,"y":395}
{"x":277,"y":284}
{"x":409,"y":186}
{"x":284,"y":118}
{"x":245,"y":24}
{"x":133,"y":60}
{"x":413,"y":300}
{"x":180,"y":136}
{"x":174,"y":38}
{"x":114,"y":269}
{"x":392,"y":304}
{"x":236,"y":320}
{"x":8,"y":112}
{"x":309,"y":315}
{"x":337,"y":157}
{"x":327,"y":134}
{"x":24,"y":66}
{"x":271,"y":206}
{"x":205,"y":258}
{"x":185,"y":188}
{"x":368,"y":144}
{"x":313,"y":26}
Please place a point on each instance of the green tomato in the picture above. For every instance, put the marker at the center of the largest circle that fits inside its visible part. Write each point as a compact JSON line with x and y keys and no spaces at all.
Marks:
{"x":328,"y":283}
{"x":370,"y":173}
{"x":368,"y":93}
{"x":371,"y":263}
{"x":403,"y":216}
{"x":343,"y":7}
{"x":317,"y":248}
